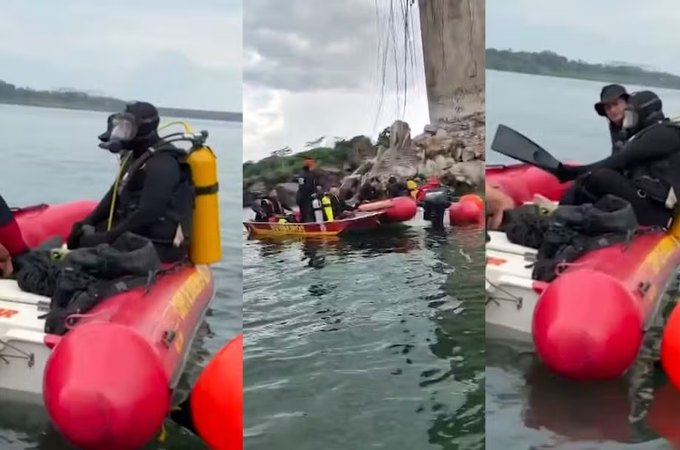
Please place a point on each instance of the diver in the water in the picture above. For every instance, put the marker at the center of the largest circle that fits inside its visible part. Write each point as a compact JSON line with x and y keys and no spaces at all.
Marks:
{"x":154,"y":193}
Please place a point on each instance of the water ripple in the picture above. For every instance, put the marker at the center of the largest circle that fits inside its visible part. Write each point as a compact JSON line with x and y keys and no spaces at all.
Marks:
{"x":373,"y":346}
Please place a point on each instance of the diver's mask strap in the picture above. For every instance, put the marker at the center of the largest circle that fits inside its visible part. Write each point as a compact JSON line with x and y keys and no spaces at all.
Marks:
{"x":630,"y":119}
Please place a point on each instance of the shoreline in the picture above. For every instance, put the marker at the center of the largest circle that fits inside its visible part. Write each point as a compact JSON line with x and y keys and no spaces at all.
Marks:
{"x":220,"y":116}
{"x":602,"y":79}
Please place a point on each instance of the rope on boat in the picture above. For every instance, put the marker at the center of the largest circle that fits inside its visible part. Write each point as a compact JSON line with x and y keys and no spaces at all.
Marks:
{"x":30,"y":357}
{"x":512,"y":297}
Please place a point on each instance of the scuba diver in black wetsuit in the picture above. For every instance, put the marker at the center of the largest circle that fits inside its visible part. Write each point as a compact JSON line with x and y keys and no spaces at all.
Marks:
{"x":339,"y":207}
{"x":436,"y":202}
{"x":612,"y":105}
{"x":370,"y":191}
{"x":396,"y":188}
{"x":645,"y":172}
{"x":154,"y":193}
{"x":272,"y":205}
{"x":307,"y":181}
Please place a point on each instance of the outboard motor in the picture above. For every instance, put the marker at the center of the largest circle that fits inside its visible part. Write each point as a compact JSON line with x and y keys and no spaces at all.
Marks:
{"x":435,"y":203}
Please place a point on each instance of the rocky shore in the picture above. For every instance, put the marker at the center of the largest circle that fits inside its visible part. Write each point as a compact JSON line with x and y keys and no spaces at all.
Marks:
{"x":451,"y":151}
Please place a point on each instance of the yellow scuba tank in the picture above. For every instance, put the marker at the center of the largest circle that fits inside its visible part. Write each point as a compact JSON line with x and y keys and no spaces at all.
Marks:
{"x":327,"y":208}
{"x":205,"y":244}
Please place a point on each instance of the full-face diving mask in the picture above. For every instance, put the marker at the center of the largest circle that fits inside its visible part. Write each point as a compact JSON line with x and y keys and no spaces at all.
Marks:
{"x":123,"y":130}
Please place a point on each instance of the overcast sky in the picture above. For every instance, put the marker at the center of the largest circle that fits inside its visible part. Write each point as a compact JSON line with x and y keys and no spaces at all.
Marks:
{"x":312,"y":69}
{"x":643,"y":33}
{"x":171,"y":52}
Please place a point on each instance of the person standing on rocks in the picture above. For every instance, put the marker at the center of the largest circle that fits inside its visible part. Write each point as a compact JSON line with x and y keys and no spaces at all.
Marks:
{"x":307,"y":181}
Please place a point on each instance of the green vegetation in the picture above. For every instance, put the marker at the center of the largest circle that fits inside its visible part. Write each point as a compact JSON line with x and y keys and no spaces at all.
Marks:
{"x":551,"y":64}
{"x":11,"y":94}
{"x":282,"y":165}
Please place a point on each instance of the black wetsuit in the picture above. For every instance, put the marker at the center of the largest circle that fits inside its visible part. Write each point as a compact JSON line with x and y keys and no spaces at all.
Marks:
{"x":368,"y":193}
{"x":642,"y":172}
{"x":153,"y":199}
{"x":618,"y":137}
{"x":307,"y":183}
{"x":397,"y":189}
{"x":260,"y":215}
{"x":272,"y":207}
{"x":338,"y":205}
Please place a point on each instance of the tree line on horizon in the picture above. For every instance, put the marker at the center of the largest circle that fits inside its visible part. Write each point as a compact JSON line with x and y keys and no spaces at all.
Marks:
{"x":73,"y":99}
{"x":552,"y":64}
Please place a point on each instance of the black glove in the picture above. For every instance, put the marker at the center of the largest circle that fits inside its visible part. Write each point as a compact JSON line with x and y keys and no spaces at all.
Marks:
{"x":93,"y":239}
{"x":568,"y":173}
{"x":73,"y":240}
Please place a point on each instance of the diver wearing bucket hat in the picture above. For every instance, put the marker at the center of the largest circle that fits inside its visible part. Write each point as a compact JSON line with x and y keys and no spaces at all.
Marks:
{"x":613,"y":99}
{"x":153,"y":195}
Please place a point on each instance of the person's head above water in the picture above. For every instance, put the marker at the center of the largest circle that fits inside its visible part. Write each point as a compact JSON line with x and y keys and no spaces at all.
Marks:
{"x":644,"y":108}
{"x":392,"y":180}
{"x":613,"y":98}
{"x":135,"y":128}
{"x":334,"y":190}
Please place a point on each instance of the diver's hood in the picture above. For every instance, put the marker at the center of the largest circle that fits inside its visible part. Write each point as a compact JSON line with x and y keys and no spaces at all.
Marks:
{"x":644,"y":108}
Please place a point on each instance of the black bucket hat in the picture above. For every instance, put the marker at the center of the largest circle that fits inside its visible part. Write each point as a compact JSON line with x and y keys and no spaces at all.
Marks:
{"x":608,"y":94}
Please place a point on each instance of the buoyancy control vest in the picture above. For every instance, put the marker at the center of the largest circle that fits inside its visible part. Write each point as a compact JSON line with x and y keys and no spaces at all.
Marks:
{"x":659,"y":180}
{"x":174,"y":226}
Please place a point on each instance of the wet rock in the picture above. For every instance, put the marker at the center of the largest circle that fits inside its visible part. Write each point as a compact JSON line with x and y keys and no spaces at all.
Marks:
{"x":452,"y":150}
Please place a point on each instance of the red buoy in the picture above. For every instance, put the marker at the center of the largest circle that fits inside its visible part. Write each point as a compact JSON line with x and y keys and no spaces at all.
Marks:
{"x":663,"y":413}
{"x":670,"y":348}
{"x":586,"y":326}
{"x":402,"y":209}
{"x":466,"y":213}
{"x":474,"y":198}
{"x":104,"y":388}
{"x":217,"y":399}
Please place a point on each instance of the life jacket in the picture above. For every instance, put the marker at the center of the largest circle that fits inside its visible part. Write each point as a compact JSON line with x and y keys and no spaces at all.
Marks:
{"x":173,"y":227}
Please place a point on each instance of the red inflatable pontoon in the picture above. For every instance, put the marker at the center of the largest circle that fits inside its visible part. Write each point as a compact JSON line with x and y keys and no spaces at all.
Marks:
{"x":589,"y":322}
{"x":107,"y":382}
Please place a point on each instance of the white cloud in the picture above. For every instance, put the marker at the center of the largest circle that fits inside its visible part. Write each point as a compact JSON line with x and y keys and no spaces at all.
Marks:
{"x":315,"y":69}
{"x":275,"y":119}
{"x":99,"y":46}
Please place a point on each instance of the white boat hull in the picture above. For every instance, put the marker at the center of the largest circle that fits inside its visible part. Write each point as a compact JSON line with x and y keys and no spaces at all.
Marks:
{"x":511,"y":298}
{"x":23,"y":351}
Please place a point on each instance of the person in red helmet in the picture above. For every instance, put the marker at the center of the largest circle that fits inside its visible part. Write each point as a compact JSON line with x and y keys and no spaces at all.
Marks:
{"x":307,"y":181}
